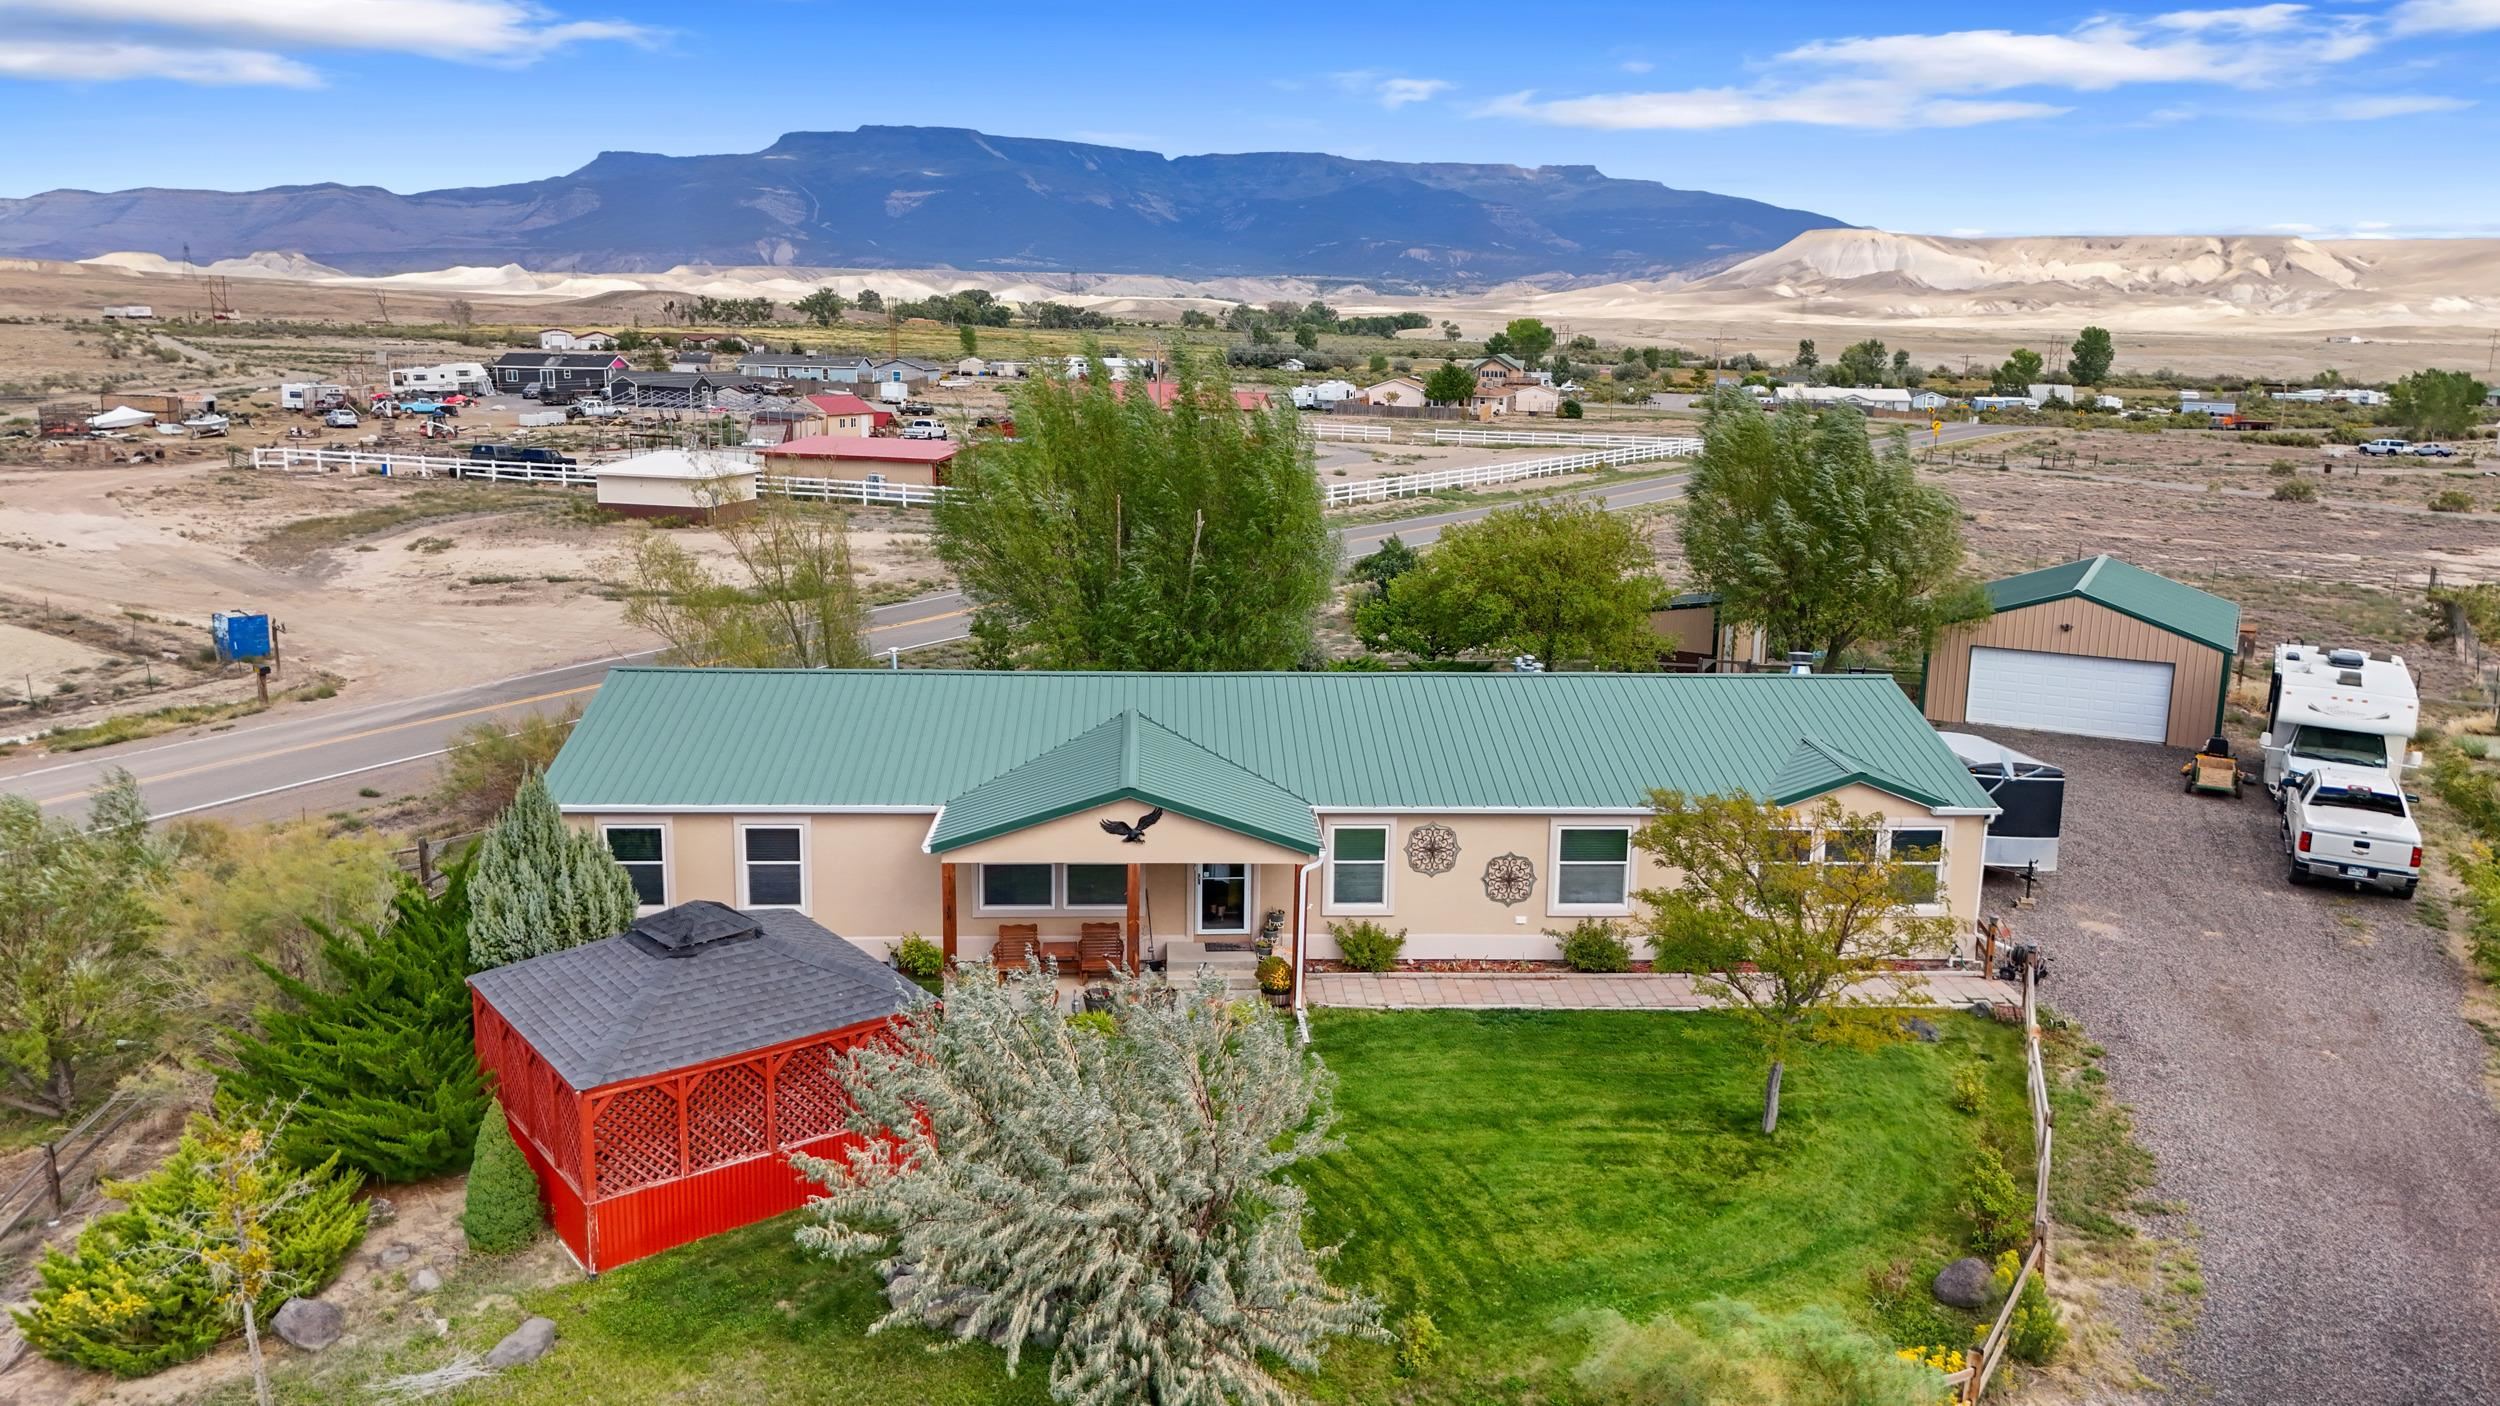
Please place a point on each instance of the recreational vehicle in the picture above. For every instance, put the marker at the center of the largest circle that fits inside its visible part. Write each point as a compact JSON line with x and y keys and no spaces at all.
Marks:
{"x":2337,"y":707}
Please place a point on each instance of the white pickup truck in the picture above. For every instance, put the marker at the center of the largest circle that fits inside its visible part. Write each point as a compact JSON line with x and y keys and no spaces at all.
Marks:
{"x":2380,"y":447}
{"x":591,"y":407}
{"x":2353,"y":825}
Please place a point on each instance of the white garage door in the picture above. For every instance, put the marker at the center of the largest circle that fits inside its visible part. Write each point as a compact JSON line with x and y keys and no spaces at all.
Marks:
{"x":2078,"y":693}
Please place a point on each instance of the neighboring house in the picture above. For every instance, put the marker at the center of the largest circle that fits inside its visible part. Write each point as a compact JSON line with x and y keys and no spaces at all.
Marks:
{"x":664,"y":390}
{"x":574,"y":373}
{"x":695,"y":341}
{"x":799,"y":366}
{"x":903,"y":370}
{"x":1930,"y":400}
{"x":2046,"y":391}
{"x":1892,"y":398}
{"x":698,"y":485}
{"x":2003,"y":402}
{"x":594,"y":341}
{"x":129,"y":312}
{"x":972,"y":366}
{"x":918,"y":462}
{"x":1164,"y":393}
{"x":1118,"y":368}
{"x":1697,"y":639}
{"x":1499,"y":370}
{"x":2109,"y":402}
{"x":1397,"y":390}
{"x":2490,"y":397}
{"x":2095,"y":647}
{"x":848,"y":415}
{"x":689,"y":359}
{"x":1291,"y":363}
{"x":556,"y":339}
{"x":448,"y":378}
{"x":1477,"y":812}
{"x":1011,"y":370}
{"x":1534,"y":400}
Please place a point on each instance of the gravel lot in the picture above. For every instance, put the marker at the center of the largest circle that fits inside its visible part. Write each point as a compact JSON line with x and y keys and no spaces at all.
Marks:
{"x":2297,"y":1064}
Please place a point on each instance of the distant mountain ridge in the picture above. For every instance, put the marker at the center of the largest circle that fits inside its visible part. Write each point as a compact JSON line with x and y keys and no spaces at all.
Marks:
{"x":914,"y":197}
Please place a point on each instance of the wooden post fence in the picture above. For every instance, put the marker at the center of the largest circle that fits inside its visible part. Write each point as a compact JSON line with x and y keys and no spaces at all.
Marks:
{"x":1973,"y":1380}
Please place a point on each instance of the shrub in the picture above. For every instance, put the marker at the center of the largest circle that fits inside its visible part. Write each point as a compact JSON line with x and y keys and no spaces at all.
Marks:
{"x":2034,"y":1333}
{"x":2288,"y":439}
{"x":919,"y":958}
{"x":501,"y":1214}
{"x":541,"y":886}
{"x":1366,"y":946}
{"x":2296,"y":490}
{"x":2000,"y":1218}
{"x":133,"y":1294}
{"x":1970,"y":1087}
{"x":380,"y":1066}
{"x":1101,"y":1023}
{"x":1727,"y":1351}
{"x":1595,"y":945}
{"x":2452,"y":500}
{"x":1275,"y":975}
{"x":1419,"y":1343}
{"x":1570,"y":410}
{"x":2282,"y":468}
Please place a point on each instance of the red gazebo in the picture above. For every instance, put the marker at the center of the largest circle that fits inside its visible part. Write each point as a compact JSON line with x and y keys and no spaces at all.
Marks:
{"x":658,"y":1080}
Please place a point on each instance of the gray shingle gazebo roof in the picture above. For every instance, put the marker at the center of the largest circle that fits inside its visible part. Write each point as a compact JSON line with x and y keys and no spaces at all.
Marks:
{"x":695,"y":983}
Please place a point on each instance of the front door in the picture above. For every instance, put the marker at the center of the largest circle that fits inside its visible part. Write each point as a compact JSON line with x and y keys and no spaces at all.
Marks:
{"x":1223,"y":900}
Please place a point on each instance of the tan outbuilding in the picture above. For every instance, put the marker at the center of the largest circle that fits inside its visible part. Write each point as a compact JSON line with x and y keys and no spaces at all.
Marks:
{"x":698,"y":484}
{"x":2095,"y":647}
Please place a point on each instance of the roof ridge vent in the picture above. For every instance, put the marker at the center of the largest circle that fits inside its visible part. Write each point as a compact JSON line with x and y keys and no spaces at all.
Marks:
{"x":2349,"y":678}
{"x":689,"y":928}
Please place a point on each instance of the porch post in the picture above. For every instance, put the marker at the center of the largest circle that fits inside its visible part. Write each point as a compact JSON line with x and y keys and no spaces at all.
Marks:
{"x":946,"y":908}
{"x":1136,"y":889}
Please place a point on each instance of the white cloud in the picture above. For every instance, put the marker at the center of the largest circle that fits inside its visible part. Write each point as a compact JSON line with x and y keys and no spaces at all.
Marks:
{"x":2445,"y":16}
{"x":1636,"y":65}
{"x":74,"y":61}
{"x":160,"y":38}
{"x":2293,"y":227}
{"x":2371,"y":109}
{"x":1969,"y":77}
{"x":1390,"y":90}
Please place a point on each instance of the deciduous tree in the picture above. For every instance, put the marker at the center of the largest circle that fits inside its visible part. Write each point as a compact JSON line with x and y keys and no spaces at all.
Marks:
{"x":1529,"y":339}
{"x":2091,"y":356}
{"x":1125,"y":1191}
{"x":794,"y":603}
{"x":1861,"y":364}
{"x":1806,"y":360}
{"x":1451,"y":384}
{"x":1113,"y":533}
{"x":1567,"y":582}
{"x":2436,"y":404}
{"x":1805,"y":529}
{"x":1785,"y":914}
{"x":79,"y":973}
{"x":542,"y":886}
{"x":824,"y":307}
{"x":2019,"y":373}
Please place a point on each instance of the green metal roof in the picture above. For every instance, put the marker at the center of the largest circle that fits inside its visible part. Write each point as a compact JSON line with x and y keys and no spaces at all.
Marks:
{"x":730,"y":739}
{"x":2130,"y":590}
{"x":1815,"y":767}
{"x":1134,"y":758}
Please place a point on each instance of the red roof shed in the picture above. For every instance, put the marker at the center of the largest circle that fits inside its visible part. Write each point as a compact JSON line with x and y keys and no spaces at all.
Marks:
{"x":659,"y":1080}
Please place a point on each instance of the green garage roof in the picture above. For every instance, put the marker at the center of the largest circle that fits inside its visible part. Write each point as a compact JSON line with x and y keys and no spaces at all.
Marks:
{"x":822,"y":739}
{"x":2130,"y":590}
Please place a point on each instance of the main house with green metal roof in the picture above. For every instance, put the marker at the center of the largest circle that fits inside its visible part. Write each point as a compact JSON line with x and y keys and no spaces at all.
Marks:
{"x":2094,"y":647}
{"x":1476,"y":811}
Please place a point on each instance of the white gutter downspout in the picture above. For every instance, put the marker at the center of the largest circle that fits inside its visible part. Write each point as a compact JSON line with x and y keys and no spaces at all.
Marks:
{"x":1301,"y":939}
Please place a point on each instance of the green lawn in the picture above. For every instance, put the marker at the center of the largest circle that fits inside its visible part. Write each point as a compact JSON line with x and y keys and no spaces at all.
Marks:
{"x":1501,"y":1171}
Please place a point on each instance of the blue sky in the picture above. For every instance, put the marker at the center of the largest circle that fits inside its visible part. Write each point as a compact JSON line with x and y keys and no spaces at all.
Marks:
{"x":2327,"y":118}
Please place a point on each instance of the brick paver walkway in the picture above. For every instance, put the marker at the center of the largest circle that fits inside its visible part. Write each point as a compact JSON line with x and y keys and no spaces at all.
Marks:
{"x":1576,"y":991}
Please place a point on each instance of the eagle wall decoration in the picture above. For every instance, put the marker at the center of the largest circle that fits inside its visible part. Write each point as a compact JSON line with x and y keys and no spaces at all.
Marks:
{"x":1133,"y":834}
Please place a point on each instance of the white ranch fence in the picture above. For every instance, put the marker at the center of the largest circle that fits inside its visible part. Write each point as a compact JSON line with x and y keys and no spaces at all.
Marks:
{"x":1374,"y":490}
{"x":816,"y":490}
{"x":1360,"y":434}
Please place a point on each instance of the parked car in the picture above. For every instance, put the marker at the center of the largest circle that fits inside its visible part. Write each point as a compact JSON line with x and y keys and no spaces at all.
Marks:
{"x":2379,"y":447}
{"x":341,"y":419}
{"x":518,"y":454}
{"x":531,"y":391}
{"x":2352,"y":825}
{"x":924,"y":429}
{"x":2433,"y":451}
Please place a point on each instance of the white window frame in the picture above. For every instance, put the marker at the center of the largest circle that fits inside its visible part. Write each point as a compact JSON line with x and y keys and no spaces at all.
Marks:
{"x":668,"y":857}
{"x":1249,"y":903}
{"x":981,"y":893}
{"x":1059,"y":890}
{"x":806,"y":892}
{"x":1943,"y":861}
{"x":1554,"y":905}
{"x":1388,"y":872}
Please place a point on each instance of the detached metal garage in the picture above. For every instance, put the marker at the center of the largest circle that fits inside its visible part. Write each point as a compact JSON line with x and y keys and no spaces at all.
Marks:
{"x":2093,"y":647}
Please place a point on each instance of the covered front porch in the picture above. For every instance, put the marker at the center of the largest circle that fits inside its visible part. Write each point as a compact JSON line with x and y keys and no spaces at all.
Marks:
{"x":1049,"y":860}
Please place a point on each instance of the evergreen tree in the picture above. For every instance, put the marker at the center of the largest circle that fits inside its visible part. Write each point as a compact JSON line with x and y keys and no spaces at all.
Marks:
{"x":379,"y":1066}
{"x":501,"y":1213}
{"x":1127,"y":1191}
{"x":542,"y":886}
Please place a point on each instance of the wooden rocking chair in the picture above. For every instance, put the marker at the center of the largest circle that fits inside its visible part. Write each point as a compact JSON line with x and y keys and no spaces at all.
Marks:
{"x":1019,"y":946}
{"x":1100,"y":948}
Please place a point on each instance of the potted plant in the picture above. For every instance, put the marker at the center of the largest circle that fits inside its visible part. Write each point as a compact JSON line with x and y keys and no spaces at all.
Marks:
{"x":1276,"y":979}
{"x":1269,"y":927}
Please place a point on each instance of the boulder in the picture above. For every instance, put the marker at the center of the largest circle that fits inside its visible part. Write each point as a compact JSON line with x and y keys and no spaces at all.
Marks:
{"x":1965,"y":1283}
{"x":1922,"y":1030}
{"x":899,"y":1292}
{"x":309,"y":1324}
{"x":397,"y":1254}
{"x":523,"y":1345}
{"x":424,"y":1281}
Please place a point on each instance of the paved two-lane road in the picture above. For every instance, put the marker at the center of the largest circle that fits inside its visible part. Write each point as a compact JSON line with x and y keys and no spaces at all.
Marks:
{"x":314,"y":760}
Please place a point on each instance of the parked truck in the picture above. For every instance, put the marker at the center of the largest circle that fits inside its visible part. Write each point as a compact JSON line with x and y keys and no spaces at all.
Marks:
{"x":2337,"y":707}
{"x":2352,"y":825}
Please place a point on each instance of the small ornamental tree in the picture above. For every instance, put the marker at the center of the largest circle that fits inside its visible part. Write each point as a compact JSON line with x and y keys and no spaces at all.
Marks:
{"x":501,"y":1213}
{"x":80,"y":976}
{"x":542,"y":886}
{"x":1125,"y":1191}
{"x":379,"y":1063}
{"x":1783,"y":914}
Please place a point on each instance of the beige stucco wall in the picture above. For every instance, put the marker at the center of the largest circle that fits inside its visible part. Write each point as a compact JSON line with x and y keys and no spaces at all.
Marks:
{"x":826,"y":466}
{"x":620,"y":491}
{"x":867,"y":879}
{"x":2077,"y":626}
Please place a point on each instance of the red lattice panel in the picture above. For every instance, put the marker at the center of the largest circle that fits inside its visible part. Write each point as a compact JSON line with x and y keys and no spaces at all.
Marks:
{"x":725,"y":1117}
{"x":561,"y":1134}
{"x":635,"y":1140}
{"x":808,"y":1104}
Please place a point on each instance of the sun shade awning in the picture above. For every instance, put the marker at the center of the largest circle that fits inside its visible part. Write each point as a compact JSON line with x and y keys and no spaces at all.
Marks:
{"x":1129,"y":757}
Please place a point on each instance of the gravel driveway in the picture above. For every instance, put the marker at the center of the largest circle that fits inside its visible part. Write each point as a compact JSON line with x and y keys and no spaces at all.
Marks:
{"x":2297,"y":1063}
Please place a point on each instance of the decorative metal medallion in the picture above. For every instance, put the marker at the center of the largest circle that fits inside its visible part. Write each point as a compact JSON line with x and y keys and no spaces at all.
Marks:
{"x":1432,"y":849}
{"x":1509,"y":878}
